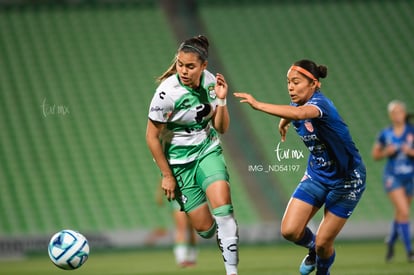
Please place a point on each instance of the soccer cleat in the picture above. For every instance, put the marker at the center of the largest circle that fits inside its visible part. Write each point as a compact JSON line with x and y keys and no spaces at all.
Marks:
{"x":410,"y":257}
{"x":187,"y":264}
{"x":309,"y":263}
{"x":390,"y":253}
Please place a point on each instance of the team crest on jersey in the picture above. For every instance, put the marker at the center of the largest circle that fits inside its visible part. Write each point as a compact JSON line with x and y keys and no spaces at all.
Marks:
{"x":309,"y":126}
{"x":211,"y":91}
{"x":184,"y":199}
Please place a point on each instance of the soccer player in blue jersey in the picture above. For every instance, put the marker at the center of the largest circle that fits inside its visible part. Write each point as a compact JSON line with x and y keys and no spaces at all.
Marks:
{"x":335,"y":174}
{"x":187,"y":113}
{"x":396,"y":144}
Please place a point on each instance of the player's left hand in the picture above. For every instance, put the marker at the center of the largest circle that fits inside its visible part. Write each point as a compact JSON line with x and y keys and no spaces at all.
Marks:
{"x":221,"y":86}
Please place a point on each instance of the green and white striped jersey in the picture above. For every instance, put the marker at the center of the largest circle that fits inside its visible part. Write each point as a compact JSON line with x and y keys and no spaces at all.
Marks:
{"x":187,"y":113}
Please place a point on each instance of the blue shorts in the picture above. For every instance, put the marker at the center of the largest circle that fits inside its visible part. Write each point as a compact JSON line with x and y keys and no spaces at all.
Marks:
{"x":339,"y":199}
{"x":391,"y":183}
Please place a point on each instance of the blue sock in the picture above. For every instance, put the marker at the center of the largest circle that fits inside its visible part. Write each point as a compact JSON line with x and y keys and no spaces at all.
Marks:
{"x":324,"y":265}
{"x":308,"y":239}
{"x":393,"y":234}
{"x":405,"y":233}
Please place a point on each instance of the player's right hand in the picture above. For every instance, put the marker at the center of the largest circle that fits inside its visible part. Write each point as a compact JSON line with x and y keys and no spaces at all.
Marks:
{"x":168,"y":184}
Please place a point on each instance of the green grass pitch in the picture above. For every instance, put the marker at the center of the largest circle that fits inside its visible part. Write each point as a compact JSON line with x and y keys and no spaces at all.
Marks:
{"x":353,"y":258}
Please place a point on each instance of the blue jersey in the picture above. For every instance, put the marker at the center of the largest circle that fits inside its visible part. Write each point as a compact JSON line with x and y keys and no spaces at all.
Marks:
{"x":333,"y":154}
{"x":399,"y":165}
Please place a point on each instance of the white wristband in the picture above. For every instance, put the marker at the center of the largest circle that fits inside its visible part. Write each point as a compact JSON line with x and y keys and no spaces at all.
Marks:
{"x":221,"y":101}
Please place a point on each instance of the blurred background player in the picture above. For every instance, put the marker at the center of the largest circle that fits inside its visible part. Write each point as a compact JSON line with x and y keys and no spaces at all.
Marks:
{"x":335,"y":175}
{"x":185,"y":237}
{"x":396,"y":144}
{"x":187,"y":113}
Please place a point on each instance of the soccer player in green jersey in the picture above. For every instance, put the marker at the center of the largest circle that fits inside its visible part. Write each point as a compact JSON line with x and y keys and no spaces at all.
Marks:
{"x":187,"y":113}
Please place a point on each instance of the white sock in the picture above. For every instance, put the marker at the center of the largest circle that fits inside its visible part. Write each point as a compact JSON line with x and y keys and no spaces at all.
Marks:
{"x":228,"y":241}
{"x":192,"y":254}
{"x":180,"y":253}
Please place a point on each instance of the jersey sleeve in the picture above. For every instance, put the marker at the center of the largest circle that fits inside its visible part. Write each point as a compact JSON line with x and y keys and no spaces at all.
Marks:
{"x":410,"y":137}
{"x":161,"y":107}
{"x":319,"y":104}
{"x":381,"y":138}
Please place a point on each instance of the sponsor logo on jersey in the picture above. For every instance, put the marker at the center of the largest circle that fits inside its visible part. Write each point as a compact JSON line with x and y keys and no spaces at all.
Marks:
{"x":309,"y":137}
{"x":156,"y":109}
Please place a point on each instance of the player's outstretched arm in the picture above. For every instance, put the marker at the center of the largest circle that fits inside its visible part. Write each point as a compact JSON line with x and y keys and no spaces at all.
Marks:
{"x":282,"y":111}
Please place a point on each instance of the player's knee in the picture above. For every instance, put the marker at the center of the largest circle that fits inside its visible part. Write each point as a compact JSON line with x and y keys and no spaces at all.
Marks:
{"x":227,"y":225}
{"x":210,"y":232}
{"x":324,"y":246}
{"x":223,"y":210}
{"x":324,"y":249}
{"x":290,"y":233}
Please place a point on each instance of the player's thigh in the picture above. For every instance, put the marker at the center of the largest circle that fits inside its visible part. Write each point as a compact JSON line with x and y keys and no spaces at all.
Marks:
{"x":189,"y":194}
{"x":397,"y":196}
{"x":218,"y":193}
{"x":201,"y":218}
{"x":401,"y":203}
{"x":297,"y":215}
{"x":213,"y":176}
{"x":211,"y":168}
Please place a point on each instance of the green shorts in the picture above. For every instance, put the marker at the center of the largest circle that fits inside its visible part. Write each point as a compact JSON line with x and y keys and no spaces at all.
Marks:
{"x":174,"y":205}
{"x":193,"y":178}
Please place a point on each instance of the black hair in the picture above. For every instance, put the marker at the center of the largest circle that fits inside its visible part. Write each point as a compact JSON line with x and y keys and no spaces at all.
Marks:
{"x":318,"y":71}
{"x":197,"y":44}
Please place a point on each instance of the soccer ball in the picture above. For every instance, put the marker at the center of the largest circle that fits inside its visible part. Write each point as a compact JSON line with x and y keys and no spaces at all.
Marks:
{"x":68,"y":249}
